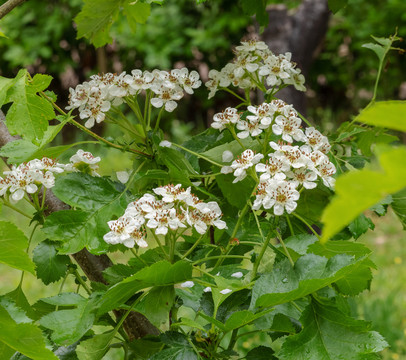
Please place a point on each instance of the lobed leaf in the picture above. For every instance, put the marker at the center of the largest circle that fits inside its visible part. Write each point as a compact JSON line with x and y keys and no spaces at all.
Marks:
{"x":13,"y":245}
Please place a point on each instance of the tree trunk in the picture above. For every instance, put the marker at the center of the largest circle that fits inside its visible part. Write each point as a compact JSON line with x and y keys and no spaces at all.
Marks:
{"x":300,"y":33}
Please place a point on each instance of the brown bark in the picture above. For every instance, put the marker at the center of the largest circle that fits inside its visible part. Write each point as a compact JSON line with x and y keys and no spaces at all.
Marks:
{"x":300,"y":33}
{"x":8,"y":6}
{"x":136,"y":324}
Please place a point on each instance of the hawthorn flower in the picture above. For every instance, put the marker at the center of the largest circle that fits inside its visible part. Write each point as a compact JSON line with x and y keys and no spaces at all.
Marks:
{"x":288,"y":127}
{"x":83,"y":161}
{"x":282,"y":195}
{"x":246,"y":160}
{"x":204,"y":215}
{"x":124,"y":231}
{"x":292,"y":154}
{"x":262,"y":113}
{"x":315,"y":139}
{"x":227,"y":116}
{"x":166,"y":97}
{"x":274,"y":168}
{"x":304,"y":177}
{"x":189,"y":81}
{"x":171,"y":193}
{"x":213,"y":83}
{"x":325,"y":171}
{"x":21,"y":180}
{"x":251,"y":45}
{"x":251,"y":127}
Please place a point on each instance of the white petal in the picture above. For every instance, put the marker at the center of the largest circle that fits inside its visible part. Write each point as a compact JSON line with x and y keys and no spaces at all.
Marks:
{"x":226,"y":291}
{"x":187,"y":284}
{"x":122,"y":176}
{"x":237,"y":275}
{"x":227,"y":156}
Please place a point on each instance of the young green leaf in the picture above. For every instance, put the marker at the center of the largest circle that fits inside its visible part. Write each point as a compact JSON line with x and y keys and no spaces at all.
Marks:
{"x":96,"y":347}
{"x":29,"y":114}
{"x":399,"y":206}
{"x":336,"y":5}
{"x":13,"y":244}
{"x":387,"y":114}
{"x":357,"y":191}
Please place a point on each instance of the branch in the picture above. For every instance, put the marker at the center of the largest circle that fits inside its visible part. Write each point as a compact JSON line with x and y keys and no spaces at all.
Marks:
{"x":8,"y":6}
{"x":136,"y":325}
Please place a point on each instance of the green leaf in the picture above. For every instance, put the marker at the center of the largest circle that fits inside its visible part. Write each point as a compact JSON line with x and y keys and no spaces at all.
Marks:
{"x":241,"y":318}
{"x":40,"y":81}
{"x":77,"y":229}
{"x":25,"y":338}
{"x":175,"y":353}
{"x":50,"y":266}
{"x":236,"y":194}
{"x":357,"y":191}
{"x":159,"y":274}
{"x":5,"y":85}
{"x":257,"y":8}
{"x":387,"y":114}
{"x":336,"y":5}
{"x":399,"y":206}
{"x":18,"y":151}
{"x":29,"y":114}
{"x":325,"y":331}
{"x":96,"y":347}
{"x":69,"y":326}
{"x":95,"y":19}
{"x":65,"y":299}
{"x":311,"y":273}
{"x":157,"y":304}
{"x":261,"y":353}
{"x":360,"y":226}
{"x":136,"y":12}
{"x":13,"y":245}
{"x":116,"y":273}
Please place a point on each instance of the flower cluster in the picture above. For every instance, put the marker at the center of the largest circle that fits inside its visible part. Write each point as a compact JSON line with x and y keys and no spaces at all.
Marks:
{"x":95,"y":97}
{"x":176,"y":208}
{"x":288,"y":166}
{"x":254,"y":64}
{"x":31,"y":176}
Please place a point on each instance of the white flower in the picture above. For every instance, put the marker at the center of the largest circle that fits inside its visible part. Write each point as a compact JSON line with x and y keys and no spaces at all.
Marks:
{"x":207,"y":289}
{"x":315,"y":139}
{"x":123,"y":176}
{"x":251,"y":46}
{"x":84,"y":161}
{"x":171,"y":193}
{"x":187,"y":284}
{"x":303,"y":176}
{"x":165,"y":143}
{"x":227,"y":116}
{"x":189,"y":81}
{"x":213,"y":83}
{"x":162,"y":219}
{"x":21,"y":180}
{"x":237,"y":275}
{"x":247,"y":159}
{"x":288,"y":127}
{"x":226,"y":291}
{"x":204,"y":215}
{"x":292,"y":154}
{"x":227,"y":156}
{"x":262,"y":113}
{"x":124,"y":231}
{"x":325,"y":170}
{"x":166,"y":97}
{"x":282,"y":196}
{"x":274,"y":168}
{"x":251,"y":127}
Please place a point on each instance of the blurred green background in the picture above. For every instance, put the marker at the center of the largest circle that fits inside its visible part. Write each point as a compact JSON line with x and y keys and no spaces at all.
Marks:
{"x":42,"y":37}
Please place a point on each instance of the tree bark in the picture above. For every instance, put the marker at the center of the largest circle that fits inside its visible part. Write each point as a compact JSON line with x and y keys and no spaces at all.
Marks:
{"x":300,"y":33}
{"x":136,"y":325}
{"x":8,"y":6}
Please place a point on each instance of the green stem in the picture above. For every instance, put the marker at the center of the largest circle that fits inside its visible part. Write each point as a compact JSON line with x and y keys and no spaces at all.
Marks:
{"x":82,"y":282}
{"x":44,"y":193}
{"x":136,"y":255}
{"x":158,"y":119}
{"x":233,"y":339}
{"x":284,"y":248}
{"x":27,"y":250}
{"x":221,"y":257}
{"x":232,"y":131}
{"x":304,"y":119}
{"x":263,"y":249}
{"x":160,"y":244}
{"x":290,"y":225}
{"x":204,"y":272}
{"x":307,"y":224}
{"x":193,"y":247}
{"x":233,"y":93}
{"x":16,"y":209}
{"x":239,"y":221}
{"x":198,"y":155}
